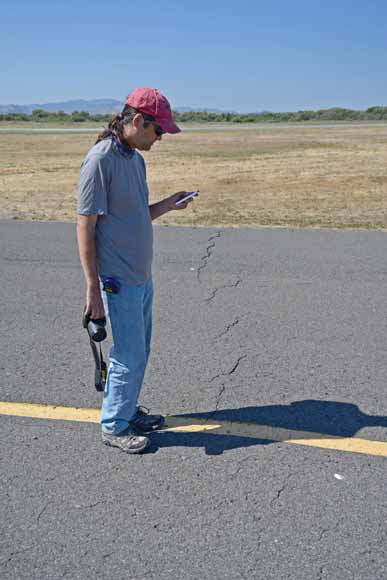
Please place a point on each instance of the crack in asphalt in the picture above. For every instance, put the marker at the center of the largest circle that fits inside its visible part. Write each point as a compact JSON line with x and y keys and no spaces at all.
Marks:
{"x":92,"y":505}
{"x":12,"y":554}
{"x":43,"y":510}
{"x":220,"y":394}
{"x":33,"y":547}
{"x":208,"y":254}
{"x":331,"y":529}
{"x":281,"y":490}
{"x":204,"y":259}
{"x":208,"y":300}
{"x":237,"y":364}
{"x":240,"y":465}
{"x":252,"y":568}
{"x":229,"y":372}
{"x":223,"y":385}
{"x":228,"y":328}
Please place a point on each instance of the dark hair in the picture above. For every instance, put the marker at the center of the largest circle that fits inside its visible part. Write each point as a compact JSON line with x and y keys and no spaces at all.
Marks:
{"x":116,"y":125}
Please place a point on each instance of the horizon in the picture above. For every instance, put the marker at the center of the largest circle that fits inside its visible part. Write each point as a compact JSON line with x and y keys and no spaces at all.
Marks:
{"x":190,"y":107}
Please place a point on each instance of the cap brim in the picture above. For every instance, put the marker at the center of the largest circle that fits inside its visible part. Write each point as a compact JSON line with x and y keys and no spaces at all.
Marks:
{"x":170,"y":127}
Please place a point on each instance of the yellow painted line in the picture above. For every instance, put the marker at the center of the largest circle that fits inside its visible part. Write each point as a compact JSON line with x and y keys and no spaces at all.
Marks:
{"x":37,"y":411}
{"x":266,"y":432}
{"x":185,"y":424}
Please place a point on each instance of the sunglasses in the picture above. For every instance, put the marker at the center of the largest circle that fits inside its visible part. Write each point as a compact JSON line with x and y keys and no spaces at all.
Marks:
{"x":158,"y":130}
{"x":148,"y":120}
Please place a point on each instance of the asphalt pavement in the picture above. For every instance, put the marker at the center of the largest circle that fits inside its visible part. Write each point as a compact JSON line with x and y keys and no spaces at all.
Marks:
{"x":278,"y":328}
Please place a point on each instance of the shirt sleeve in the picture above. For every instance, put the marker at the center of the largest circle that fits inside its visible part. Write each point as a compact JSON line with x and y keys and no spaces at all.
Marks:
{"x":93,"y":187}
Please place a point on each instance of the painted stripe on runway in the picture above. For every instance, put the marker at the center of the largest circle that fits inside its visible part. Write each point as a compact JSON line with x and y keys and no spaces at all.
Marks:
{"x":38,"y":411}
{"x":186,"y":424}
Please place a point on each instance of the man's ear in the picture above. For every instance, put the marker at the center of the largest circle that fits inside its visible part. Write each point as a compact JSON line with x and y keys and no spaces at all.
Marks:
{"x":138,"y":121}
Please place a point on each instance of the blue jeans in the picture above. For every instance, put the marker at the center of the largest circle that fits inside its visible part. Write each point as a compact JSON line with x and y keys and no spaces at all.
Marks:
{"x":130,"y":315}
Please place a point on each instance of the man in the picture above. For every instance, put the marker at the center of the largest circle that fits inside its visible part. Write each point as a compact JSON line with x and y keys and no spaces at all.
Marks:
{"x":115,"y":241}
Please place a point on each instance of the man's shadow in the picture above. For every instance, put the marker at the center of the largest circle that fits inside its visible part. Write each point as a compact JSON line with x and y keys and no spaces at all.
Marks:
{"x":327,"y":418}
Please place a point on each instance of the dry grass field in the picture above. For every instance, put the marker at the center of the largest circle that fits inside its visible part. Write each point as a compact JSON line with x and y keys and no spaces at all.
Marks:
{"x":266,"y":175}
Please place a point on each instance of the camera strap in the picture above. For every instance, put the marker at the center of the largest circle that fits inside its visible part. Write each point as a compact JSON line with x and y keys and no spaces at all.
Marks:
{"x":97,"y":333}
{"x":100,"y":366}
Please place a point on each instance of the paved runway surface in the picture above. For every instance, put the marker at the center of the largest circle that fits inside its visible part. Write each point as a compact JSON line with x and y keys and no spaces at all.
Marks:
{"x":264,"y":333}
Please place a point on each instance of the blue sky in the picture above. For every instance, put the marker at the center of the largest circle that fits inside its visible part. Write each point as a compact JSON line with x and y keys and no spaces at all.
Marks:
{"x":244,"y":55}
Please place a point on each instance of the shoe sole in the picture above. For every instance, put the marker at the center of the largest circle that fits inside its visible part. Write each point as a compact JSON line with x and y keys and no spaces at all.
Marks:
{"x":128,"y":451}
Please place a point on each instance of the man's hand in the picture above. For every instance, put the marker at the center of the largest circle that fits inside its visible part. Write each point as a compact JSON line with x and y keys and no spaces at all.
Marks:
{"x":171,"y":201}
{"x":94,"y":304}
{"x":168,"y":204}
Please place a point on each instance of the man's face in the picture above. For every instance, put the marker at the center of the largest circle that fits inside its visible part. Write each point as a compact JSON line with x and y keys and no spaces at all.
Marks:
{"x":140,"y":134}
{"x":148,"y":137}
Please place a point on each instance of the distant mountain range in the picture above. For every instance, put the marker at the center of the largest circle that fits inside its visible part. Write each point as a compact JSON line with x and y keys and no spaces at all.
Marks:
{"x":96,"y":107}
{"x":202,"y":109}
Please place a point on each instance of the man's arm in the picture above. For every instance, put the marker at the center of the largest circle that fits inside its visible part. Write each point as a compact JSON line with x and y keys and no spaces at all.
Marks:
{"x":88,"y":256}
{"x":168,"y":204}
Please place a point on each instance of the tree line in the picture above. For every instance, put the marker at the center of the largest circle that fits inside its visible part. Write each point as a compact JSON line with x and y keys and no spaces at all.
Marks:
{"x":40,"y":115}
{"x":334,"y":114}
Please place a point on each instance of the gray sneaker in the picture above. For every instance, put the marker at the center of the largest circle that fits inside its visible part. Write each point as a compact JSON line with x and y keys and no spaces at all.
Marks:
{"x":128,"y":440}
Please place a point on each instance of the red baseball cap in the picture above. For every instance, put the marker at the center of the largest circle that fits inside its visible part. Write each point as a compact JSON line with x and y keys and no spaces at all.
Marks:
{"x":152,"y":102}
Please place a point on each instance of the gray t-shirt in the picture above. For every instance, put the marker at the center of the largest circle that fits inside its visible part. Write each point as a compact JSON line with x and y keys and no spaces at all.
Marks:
{"x":114,"y":187}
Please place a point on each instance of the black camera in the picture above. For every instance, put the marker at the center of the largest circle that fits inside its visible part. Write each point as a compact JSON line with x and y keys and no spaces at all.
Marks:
{"x":95,"y":328}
